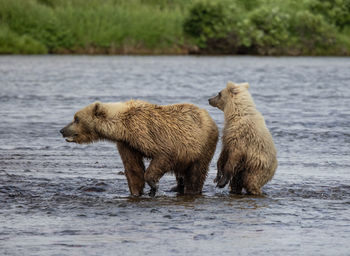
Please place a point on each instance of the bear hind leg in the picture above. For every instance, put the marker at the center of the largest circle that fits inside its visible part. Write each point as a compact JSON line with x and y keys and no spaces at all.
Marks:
{"x":195,"y":178}
{"x":236,"y":184}
{"x":180,"y":185}
{"x":180,"y":171}
{"x":251,"y":184}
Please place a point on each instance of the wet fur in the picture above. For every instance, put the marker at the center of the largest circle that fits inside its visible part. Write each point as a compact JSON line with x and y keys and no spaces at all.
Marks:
{"x":248,"y":157}
{"x":179,"y":138}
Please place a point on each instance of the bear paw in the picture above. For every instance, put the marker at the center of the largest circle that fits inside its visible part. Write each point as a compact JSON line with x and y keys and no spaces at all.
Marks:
{"x":223,"y":181}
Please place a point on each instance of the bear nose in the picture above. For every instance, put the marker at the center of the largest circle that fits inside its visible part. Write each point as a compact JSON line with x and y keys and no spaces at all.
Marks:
{"x":62,"y":131}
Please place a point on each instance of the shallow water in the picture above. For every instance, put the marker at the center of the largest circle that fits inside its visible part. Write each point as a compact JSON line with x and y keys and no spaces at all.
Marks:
{"x":63,"y":199}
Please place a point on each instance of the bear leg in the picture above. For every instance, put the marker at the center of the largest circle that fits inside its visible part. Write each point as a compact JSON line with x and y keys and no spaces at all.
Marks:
{"x":236,"y":184}
{"x":230,"y":169}
{"x":180,"y":186}
{"x":134,"y":168}
{"x":220,"y":165}
{"x":180,"y":171}
{"x":251,"y":184}
{"x":156,"y":169}
{"x":195,"y":177}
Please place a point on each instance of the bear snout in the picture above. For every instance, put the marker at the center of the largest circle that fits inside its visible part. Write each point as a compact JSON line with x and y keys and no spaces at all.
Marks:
{"x":64,"y":132}
{"x":67,"y":131}
{"x":212,"y":102}
{"x":69,"y":134}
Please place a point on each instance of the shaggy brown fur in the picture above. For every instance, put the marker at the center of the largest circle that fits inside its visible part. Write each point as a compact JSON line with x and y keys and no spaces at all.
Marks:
{"x":248,"y":157}
{"x":178,"y":138}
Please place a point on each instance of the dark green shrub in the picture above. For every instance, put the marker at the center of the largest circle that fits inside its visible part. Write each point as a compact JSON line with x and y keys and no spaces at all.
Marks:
{"x":206,"y":20}
{"x":271,"y":30}
{"x":314,"y":35}
{"x":336,"y":12}
{"x":250,"y":4}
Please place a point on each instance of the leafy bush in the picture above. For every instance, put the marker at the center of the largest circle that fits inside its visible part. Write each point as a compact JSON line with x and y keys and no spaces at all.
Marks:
{"x":336,"y":12}
{"x":314,"y":35}
{"x":270,"y":27}
{"x":215,"y":26}
{"x":271,"y":30}
{"x":206,"y":20}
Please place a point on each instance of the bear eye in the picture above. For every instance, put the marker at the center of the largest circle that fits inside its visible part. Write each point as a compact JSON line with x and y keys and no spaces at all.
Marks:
{"x":76,"y":120}
{"x":219,"y":94}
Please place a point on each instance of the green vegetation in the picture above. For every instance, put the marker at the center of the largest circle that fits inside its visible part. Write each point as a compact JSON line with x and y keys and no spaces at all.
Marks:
{"x":95,"y":26}
{"x":271,"y":27}
{"x":264,"y":27}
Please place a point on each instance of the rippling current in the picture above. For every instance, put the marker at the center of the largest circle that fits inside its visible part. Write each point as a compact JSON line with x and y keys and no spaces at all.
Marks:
{"x":64,"y":199}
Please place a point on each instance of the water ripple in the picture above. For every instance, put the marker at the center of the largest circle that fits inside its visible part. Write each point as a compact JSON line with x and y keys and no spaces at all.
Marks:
{"x":63,"y":199}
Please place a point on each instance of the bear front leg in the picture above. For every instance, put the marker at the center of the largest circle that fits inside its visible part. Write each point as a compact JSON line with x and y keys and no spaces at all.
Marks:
{"x":134,"y":168}
{"x":156,"y":169}
{"x":233,"y":158}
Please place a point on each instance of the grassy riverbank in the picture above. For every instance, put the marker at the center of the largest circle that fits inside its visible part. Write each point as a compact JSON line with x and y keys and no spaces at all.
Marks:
{"x":265,"y":27}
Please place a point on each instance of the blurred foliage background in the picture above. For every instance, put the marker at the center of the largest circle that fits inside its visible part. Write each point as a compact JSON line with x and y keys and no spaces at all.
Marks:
{"x":261,"y":27}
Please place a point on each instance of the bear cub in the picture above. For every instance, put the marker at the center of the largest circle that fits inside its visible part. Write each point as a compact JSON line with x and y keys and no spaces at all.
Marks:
{"x":248,"y":156}
{"x":179,"y":138}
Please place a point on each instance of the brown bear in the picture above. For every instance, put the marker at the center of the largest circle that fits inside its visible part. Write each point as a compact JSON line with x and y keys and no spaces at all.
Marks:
{"x":248,"y":157}
{"x":179,"y":138}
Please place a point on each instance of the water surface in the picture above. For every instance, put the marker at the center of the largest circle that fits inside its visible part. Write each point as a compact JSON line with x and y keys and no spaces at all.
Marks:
{"x":64,"y":199}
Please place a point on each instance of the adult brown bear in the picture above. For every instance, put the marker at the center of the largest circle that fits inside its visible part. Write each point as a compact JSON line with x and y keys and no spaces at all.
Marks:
{"x":179,"y":138}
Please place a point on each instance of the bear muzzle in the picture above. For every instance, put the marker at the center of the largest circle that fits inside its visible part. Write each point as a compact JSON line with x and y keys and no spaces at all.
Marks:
{"x":213,"y":101}
{"x":68,"y":134}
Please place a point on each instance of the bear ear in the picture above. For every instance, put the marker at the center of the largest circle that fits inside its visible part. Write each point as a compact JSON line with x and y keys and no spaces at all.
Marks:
{"x":230,"y":84}
{"x":245,"y":85}
{"x":99,"y":110}
{"x":232,"y":87}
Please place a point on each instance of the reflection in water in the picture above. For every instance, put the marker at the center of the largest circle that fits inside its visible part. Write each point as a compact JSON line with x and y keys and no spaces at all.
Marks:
{"x":59,"y":198}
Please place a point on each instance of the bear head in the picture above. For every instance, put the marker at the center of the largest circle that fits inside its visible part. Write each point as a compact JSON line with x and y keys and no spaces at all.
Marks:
{"x":83,"y":128}
{"x":231,"y":94}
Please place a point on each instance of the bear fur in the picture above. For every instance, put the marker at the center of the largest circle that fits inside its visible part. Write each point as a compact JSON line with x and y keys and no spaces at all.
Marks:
{"x":179,"y":138}
{"x":248,"y":157}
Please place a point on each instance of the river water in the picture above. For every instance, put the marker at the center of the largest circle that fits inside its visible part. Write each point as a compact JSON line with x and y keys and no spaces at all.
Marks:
{"x":65,"y":199}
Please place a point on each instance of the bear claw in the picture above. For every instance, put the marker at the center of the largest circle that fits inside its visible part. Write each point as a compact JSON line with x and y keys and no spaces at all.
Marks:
{"x":178,"y":188}
{"x":152,"y":192}
{"x":154,"y":188}
{"x":217,"y":178}
{"x":222,"y":182}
